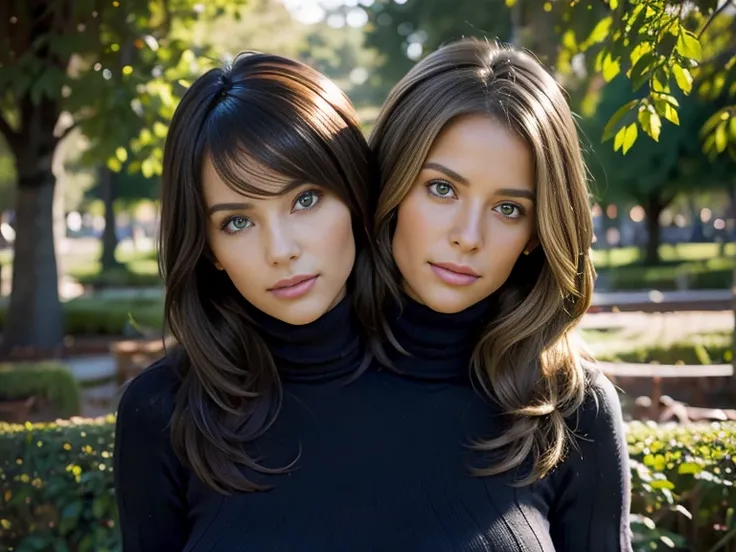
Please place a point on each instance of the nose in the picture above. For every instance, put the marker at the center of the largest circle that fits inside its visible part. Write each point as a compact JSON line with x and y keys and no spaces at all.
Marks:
{"x":280,"y":245}
{"x":467,"y":231}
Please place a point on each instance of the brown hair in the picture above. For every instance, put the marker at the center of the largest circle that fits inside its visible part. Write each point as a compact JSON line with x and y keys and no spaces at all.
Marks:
{"x":272,"y":112}
{"x":525,"y":359}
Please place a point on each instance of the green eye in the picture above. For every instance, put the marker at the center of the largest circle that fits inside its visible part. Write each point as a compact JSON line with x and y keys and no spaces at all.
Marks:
{"x":307,"y":200}
{"x":510,"y":210}
{"x":440,"y":189}
{"x":233,"y":225}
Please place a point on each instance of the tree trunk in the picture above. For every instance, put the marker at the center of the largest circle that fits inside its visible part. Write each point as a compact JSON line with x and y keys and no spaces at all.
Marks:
{"x":108,"y":193}
{"x":653,"y":208}
{"x":732,"y":204}
{"x":34,"y":315}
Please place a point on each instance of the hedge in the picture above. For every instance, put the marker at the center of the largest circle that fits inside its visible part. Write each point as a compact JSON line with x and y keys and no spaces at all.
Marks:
{"x":707,"y":274}
{"x":49,"y":380}
{"x":707,"y":351}
{"x":121,"y":277}
{"x":56,"y":481}
{"x":93,"y":316}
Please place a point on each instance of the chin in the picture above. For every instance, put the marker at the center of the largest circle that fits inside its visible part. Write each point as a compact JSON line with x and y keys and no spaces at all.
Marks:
{"x":301,"y":314}
{"x":447,"y":301}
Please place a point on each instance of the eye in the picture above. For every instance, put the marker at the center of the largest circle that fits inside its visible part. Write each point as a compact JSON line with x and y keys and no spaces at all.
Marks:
{"x":233,"y":225}
{"x":510,"y":210}
{"x":307,"y":200}
{"x":441,"y":189}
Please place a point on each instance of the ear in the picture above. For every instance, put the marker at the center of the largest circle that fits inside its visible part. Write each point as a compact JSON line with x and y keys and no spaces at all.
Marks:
{"x":218,"y":266}
{"x":531,"y":245}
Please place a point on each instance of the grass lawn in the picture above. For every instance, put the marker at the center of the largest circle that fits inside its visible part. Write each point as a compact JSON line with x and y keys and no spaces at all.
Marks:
{"x":670,"y":254}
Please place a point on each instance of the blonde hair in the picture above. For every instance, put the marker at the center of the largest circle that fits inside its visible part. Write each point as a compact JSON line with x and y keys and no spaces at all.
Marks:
{"x":525,"y":360}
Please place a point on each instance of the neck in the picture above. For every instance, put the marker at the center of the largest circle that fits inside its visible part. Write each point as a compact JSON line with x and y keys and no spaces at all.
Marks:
{"x":326,"y":349}
{"x":439,"y":345}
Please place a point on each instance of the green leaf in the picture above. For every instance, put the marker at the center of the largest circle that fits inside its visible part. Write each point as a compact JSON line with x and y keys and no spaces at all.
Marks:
{"x":159,"y":129}
{"x":662,"y":484}
{"x":613,"y":4}
{"x":121,"y":154}
{"x":713,"y":121}
{"x":147,"y":168}
{"x":600,"y":31}
{"x":114,"y":164}
{"x":688,"y":46}
{"x":630,"y":137}
{"x":666,"y":110}
{"x":611,"y":68}
{"x":610,"y":128}
{"x":689,"y":468}
{"x":660,"y":81}
{"x":721,"y":137}
{"x":650,"y":123}
{"x":618,"y":141}
{"x":643,"y":66}
{"x":683,"y":78}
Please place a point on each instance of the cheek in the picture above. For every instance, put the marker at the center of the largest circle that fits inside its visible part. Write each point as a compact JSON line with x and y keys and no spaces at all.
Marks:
{"x":240,"y":267}
{"x":412,"y":230}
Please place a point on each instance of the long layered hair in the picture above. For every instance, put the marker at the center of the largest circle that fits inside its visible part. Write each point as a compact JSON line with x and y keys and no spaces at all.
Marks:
{"x":262,"y":111}
{"x":526,"y":359}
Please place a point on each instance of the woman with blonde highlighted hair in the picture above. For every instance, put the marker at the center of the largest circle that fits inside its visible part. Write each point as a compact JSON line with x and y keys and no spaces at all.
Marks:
{"x":483,"y":230}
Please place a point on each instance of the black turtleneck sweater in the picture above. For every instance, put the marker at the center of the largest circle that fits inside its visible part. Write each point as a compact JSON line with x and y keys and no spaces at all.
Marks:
{"x":384,"y":462}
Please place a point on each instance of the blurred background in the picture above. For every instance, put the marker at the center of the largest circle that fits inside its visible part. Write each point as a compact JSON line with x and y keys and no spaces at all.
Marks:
{"x":87,"y":90}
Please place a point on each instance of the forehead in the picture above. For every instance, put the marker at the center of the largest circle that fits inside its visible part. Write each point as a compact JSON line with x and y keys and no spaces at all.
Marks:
{"x":249,"y":179}
{"x":482,"y":149}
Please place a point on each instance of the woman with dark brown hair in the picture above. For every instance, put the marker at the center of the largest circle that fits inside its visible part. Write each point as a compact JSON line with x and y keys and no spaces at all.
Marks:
{"x":267,"y":264}
{"x":484,"y":218}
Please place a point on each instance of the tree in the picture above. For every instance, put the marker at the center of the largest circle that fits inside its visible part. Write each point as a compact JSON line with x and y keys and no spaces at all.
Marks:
{"x":653,"y":173}
{"x":114,"y":70}
{"x":661,"y":47}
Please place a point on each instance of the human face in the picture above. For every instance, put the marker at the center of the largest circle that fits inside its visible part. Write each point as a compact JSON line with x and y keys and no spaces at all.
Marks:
{"x":290,"y":255}
{"x":467,"y":217}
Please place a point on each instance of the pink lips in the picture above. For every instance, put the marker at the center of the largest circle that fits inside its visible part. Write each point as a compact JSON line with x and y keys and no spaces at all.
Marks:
{"x":455,"y":275}
{"x":295,"y":287}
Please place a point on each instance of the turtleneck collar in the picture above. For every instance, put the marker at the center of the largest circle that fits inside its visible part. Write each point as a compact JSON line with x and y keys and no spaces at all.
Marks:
{"x":323,"y":350}
{"x":439,"y":344}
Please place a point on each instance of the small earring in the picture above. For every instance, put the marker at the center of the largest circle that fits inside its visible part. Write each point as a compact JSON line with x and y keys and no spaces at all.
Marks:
{"x":526,"y":252}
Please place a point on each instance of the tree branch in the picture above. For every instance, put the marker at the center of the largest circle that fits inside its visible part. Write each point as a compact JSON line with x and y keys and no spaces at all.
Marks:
{"x":712,"y":17}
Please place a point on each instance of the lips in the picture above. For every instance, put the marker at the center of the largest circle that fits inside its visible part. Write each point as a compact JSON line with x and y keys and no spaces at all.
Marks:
{"x":454,"y":275}
{"x":294,"y":287}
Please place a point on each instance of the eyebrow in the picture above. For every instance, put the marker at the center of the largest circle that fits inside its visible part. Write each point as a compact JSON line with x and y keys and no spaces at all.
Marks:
{"x":510,"y":192}
{"x":228,"y":207}
{"x":291,"y":186}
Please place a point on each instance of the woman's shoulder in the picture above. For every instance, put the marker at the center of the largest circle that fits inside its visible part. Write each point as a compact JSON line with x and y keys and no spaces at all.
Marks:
{"x":148,"y":400}
{"x":600,"y":411}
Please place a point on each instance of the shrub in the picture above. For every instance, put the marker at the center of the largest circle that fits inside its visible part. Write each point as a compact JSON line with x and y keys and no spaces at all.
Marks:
{"x":710,"y":349}
{"x":683,"y":485}
{"x":94,"y":316}
{"x":56,"y":481}
{"x":85,"y":316}
{"x":58,"y":485}
{"x":49,"y":380}
{"x":707,"y":274}
{"x":119,"y":277}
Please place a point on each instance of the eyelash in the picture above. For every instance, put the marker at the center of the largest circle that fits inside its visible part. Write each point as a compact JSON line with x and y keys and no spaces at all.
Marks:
{"x":433,"y":183}
{"x":318,"y":194}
